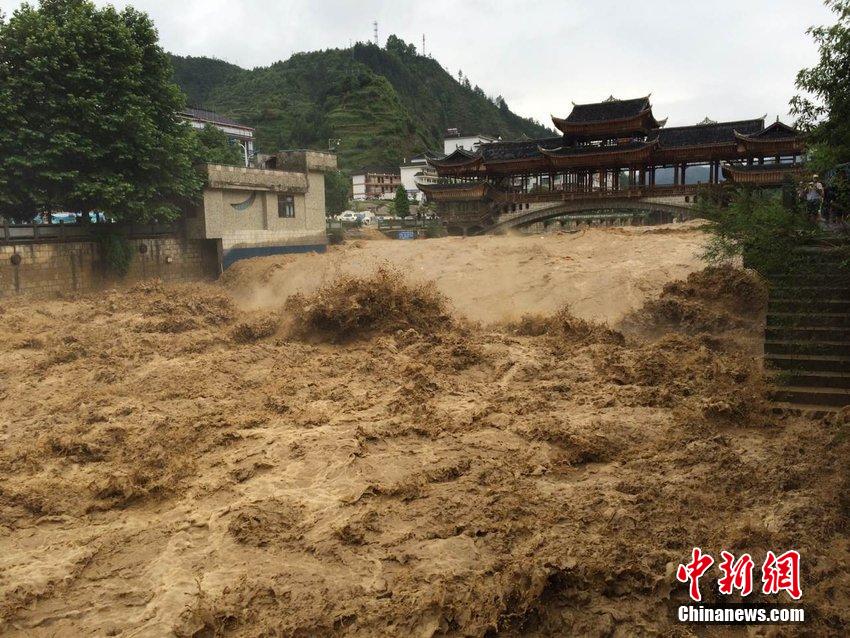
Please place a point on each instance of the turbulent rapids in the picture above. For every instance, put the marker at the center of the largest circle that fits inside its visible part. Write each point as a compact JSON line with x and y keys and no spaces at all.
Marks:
{"x":334,"y":445}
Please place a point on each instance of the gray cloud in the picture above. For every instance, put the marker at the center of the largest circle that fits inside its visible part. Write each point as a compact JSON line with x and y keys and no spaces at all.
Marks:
{"x":725,"y":59}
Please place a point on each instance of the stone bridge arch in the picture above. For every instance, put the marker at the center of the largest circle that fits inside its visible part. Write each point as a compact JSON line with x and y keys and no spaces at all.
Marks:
{"x":676,"y":206}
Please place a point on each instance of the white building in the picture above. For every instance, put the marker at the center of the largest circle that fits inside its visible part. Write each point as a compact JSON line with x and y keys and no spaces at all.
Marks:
{"x":417,"y":165}
{"x":358,"y":186}
{"x":417,"y":168}
{"x":236,"y":132}
{"x":374,"y":185}
{"x":454,"y":140}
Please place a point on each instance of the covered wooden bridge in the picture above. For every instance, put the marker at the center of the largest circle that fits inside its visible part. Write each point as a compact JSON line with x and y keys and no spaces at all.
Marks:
{"x":612,"y":152}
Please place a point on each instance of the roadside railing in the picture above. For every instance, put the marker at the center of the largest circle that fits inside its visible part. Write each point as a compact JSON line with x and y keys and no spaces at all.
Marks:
{"x":407,"y":224}
{"x":23,"y":233}
{"x":385,"y":224}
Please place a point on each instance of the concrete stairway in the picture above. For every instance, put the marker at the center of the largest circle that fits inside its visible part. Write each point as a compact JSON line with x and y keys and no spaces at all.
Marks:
{"x":807,"y":335}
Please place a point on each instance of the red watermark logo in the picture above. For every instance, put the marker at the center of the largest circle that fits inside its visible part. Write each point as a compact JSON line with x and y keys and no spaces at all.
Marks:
{"x":778,"y":573}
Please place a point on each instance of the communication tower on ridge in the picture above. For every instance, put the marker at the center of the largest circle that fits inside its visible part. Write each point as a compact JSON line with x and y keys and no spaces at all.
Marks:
{"x":375,"y":26}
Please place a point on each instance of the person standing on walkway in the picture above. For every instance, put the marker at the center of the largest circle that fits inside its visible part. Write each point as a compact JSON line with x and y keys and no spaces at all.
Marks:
{"x":814,"y":198}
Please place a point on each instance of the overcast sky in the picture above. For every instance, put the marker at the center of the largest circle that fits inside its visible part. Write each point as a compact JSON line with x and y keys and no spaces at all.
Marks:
{"x":726,"y":59}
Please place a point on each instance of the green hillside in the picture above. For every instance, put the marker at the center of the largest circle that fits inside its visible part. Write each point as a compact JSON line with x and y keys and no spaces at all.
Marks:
{"x":383,"y":105}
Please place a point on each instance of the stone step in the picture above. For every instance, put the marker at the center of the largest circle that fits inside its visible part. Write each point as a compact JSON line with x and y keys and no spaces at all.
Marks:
{"x":813,"y":265}
{"x":805,"y":319}
{"x":805,"y":378}
{"x":812,"y":396}
{"x":804,"y":409}
{"x":836,"y":254}
{"x":808,"y":362}
{"x":809,"y":305}
{"x":807,"y":333}
{"x":818,"y":278}
{"x":811,"y":292}
{"x":839,"y":348}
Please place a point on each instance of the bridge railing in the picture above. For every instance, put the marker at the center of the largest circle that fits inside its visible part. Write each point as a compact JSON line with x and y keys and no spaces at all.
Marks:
{"x":632,"y":192}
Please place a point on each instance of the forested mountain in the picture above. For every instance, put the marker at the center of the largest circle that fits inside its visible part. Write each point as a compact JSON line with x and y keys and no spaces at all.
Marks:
{"x":382,"y":104}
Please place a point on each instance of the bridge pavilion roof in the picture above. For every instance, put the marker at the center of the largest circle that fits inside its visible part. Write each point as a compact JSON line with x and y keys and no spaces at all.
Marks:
{"x":707,"y":141}
{"x":523,"y":149}
{"x":707,"y":134}
{"x":456,"y":159}
{"x":776,"y":131}
{"x":609,"y":118}
{"x":629,"y":153}
{"x":610,"y":109}
{"x":773,"y":140}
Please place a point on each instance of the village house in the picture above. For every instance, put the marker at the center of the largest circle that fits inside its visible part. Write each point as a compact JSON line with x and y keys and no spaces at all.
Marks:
{"x":365,"y":185}
{"x":279,"y":208}
{"x":455,"y":139}
{"x":237,"y":133}
{"x":417,"y":169}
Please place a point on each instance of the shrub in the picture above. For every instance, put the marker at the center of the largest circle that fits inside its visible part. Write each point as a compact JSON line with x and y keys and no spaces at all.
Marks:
{"x":757,"y":227}
{"x":433,"y":231}
{"x":115,"y":252}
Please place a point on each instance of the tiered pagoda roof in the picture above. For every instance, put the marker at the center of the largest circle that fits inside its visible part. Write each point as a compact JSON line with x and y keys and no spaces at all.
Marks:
{"x":459,"y":158}
{"x":760,"y":174}
{"x":611,"y":118}
{"x":774,"y":139}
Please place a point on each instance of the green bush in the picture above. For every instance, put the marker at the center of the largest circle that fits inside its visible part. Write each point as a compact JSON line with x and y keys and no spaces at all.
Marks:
{"x":757,"y":227}
{"x":115,"y":252}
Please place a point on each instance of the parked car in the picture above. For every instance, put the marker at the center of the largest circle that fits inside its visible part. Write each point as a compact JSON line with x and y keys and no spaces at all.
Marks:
{"x":64,"y":218}
{"x":367,"y":218}
{"x":347,"y":216}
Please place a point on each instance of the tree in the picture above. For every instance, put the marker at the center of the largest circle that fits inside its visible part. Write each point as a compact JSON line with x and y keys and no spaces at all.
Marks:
{"x":400,"y":47}
{"x":824,"y":109}
{"x":213,"y":147}
{"x":336,"y":191}
{"x":401,"y":204}
{"x":88,"y":115}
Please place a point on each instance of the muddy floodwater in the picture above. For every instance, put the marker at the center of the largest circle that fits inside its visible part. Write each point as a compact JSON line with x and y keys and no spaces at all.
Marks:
{"x":331,"y":445}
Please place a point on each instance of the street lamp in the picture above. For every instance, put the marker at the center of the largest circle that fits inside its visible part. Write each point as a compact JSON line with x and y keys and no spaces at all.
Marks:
{"x":244,"y":146}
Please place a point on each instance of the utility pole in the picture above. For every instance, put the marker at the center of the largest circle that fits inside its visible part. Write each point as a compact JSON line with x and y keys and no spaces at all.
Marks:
{"x":375,"y":26}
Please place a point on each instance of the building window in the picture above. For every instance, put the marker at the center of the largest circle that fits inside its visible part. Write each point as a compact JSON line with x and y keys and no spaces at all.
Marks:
{"x":285,"y":206}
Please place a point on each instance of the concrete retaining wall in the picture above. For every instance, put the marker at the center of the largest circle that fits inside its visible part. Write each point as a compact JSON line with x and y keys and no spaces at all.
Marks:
{"x":46,"y":268}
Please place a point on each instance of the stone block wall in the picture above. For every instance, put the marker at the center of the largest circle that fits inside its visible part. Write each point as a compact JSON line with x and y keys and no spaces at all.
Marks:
{"x":50,"y":267}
